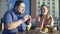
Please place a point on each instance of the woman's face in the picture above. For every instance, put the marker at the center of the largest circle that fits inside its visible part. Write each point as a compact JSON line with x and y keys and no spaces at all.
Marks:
{"x":44,"y":10}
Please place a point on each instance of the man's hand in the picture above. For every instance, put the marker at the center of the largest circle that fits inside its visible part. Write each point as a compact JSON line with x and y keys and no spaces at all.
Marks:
{"x":29,"y":20}
{"x":27,"y":17}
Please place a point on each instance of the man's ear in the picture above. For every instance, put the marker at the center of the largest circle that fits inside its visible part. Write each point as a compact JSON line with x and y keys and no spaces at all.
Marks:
{"x":16,"y":8}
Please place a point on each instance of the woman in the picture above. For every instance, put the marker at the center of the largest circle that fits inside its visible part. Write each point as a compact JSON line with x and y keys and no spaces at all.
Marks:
{"x":44,"y":20}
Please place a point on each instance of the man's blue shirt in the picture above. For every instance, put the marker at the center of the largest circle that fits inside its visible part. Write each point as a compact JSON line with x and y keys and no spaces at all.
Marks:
{"x":11,"y":16}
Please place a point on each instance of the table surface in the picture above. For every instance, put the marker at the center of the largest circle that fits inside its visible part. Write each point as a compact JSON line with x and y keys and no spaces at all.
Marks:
{"x":37,"y":32}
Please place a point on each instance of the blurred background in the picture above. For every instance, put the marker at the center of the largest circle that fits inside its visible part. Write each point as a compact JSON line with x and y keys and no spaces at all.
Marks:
{"x":33,"y":8}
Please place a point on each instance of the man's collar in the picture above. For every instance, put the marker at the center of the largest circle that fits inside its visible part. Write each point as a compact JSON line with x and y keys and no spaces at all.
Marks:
{"x":16,"y":12}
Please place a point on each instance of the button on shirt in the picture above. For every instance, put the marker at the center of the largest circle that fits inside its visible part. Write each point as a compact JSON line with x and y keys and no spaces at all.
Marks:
{"x":11,"y":16}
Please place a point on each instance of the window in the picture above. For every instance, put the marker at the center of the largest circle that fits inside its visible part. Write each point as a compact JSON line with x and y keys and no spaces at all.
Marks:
{"x":39,"y":10}
{"x":48,"y":3}
{"x":48,"y":6}
{"x":38,"y":2}
{"x":53,"y":3}
{"x":48,"y":0}
{"x":38,"y":6}
{"x":53,"y":13}
{"x":48,"y":11}
{"x":53,"y":0}
{"x":43,"y":2}
{"x":53,"y":7}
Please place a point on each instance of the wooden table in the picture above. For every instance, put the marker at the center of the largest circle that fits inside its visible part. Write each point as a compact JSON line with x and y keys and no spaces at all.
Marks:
{"x":37,"y":32}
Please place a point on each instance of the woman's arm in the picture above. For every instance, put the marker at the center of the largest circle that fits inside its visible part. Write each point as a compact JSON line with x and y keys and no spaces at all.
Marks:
{"x":52,"y":21}
{"x":39,"y":23}
{"x":42,"y":23}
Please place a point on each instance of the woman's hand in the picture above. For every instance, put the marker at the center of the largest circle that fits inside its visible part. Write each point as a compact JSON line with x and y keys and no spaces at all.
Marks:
{"x":42,"y":23}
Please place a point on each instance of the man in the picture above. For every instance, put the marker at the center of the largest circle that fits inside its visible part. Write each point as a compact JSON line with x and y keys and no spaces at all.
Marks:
{"x":16,"y":20}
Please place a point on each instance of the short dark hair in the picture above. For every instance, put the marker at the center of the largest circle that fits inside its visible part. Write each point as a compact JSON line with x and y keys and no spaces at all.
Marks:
{"x":17,"y":3}
{"x":44,"y":5}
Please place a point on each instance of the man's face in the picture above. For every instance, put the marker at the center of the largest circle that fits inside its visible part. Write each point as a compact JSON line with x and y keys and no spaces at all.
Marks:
{"x":21,"y":8}
{"x":44,"y":10}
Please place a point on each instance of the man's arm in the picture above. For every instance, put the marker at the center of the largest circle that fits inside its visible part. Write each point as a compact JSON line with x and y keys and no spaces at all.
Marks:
{"x":9,"y":24}
{"x":29,"y":25}
{"x":14,"y":24}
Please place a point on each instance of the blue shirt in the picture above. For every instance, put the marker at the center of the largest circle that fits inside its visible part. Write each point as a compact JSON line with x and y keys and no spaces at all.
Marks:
{"x":11,"y":16}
